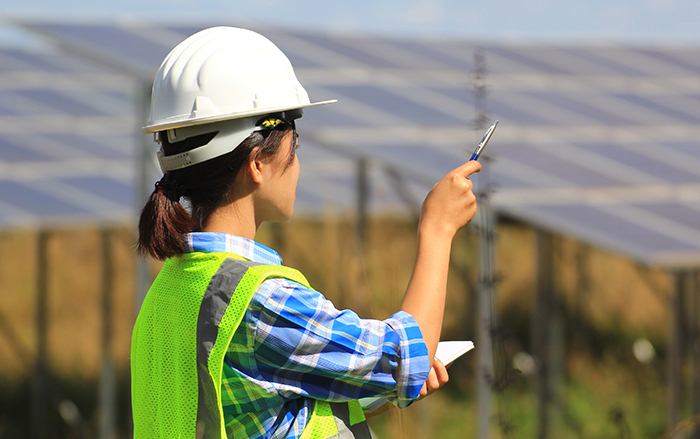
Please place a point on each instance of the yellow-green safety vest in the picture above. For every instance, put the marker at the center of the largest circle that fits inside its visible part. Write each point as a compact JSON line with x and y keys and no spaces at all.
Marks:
{"x":180,"y":338}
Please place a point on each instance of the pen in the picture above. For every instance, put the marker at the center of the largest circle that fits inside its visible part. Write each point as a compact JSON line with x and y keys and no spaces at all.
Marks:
{"x":484,"y":141}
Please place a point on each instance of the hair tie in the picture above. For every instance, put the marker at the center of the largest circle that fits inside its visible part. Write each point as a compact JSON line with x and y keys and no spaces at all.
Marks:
{"x":171,"y":190}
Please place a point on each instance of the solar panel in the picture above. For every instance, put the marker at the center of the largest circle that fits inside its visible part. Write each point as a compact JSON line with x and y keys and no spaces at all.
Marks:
{"x":387,"y":100}
{"x":649,"y":165}
{"x":115,"y":42}
{"x":672,"y":107}
{"x":677,"y":59}
{"x":35,"y":201}
{"x":58,"y":162}
{"x":600,"y":141}
{"x":14,"y":152}
{"x":607,"y":223}
{"x":120,"y":192}
{"x":687,"y":148}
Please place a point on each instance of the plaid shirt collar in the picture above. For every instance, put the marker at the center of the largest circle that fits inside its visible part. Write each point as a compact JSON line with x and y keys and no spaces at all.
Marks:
{"x":209,"y":242}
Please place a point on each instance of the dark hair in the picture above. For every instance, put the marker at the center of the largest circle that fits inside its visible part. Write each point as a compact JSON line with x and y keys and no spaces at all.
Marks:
{"x":207,"y":186}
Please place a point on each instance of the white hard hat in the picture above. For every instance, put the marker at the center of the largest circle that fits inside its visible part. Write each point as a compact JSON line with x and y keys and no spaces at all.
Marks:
{"x":221,"y":79}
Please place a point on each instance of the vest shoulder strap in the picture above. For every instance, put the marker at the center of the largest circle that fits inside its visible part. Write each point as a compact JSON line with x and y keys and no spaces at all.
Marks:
{"x":223,"y":305}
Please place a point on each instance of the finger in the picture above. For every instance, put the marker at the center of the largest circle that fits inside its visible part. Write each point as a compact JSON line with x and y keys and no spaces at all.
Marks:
{"x":432,"y":380}
{"x":426,"y":389}
{"x":441,"y":372}
{"x":469,"y":168}
{"x":431,"y":383}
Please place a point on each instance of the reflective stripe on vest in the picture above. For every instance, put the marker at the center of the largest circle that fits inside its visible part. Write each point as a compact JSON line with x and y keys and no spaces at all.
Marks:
{"x":179,"y":342}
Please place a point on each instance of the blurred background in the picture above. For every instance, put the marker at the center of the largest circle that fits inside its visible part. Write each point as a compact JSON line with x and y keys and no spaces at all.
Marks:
{"x":577,"y":280}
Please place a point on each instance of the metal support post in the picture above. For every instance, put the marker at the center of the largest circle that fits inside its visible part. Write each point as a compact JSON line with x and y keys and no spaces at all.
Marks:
{"x":485,"y":320}
{"x":148,"y":171}
{"x":362,"y":199}
{"x":107,"y":392}
{"x":40,"y":394}
{"x":694,"y":347}
{"x":540,"y":331}
{"x":675,"y":353}
{"x":485,"y":292}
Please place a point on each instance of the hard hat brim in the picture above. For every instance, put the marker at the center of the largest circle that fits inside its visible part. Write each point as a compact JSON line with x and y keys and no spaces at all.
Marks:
{"x":186,"y":122}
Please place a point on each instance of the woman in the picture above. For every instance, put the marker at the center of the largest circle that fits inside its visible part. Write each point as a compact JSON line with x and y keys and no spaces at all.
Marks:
{"x":228,"y":342}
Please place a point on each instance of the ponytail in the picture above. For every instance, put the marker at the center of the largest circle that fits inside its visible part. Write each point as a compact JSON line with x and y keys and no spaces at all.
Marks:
{"x":164,"y":223}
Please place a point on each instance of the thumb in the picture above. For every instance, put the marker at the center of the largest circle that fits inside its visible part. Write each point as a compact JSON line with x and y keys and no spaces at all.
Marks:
{"x":468,"y":168}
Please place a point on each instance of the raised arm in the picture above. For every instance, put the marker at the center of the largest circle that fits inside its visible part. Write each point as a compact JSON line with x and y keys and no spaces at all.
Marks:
{"x":449,"y":206}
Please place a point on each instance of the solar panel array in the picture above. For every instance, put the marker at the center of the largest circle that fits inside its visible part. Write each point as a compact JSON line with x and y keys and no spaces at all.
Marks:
{"x":66,"y":141}
{"x":600,"y":141}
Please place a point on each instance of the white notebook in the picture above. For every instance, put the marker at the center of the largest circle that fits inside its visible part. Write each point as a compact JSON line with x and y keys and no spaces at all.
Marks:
{"x":447,"y":352}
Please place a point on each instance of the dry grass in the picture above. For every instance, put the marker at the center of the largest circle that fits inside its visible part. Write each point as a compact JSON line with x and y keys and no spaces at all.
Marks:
{"x":616,"y":298}
{"x":74,"y":292}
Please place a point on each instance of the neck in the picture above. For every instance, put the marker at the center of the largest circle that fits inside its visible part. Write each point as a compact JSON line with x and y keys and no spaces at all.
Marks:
{"x":238,"y":218}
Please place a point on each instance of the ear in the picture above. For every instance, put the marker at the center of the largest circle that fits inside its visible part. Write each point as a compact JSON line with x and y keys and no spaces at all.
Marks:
{"x":255,"y":169}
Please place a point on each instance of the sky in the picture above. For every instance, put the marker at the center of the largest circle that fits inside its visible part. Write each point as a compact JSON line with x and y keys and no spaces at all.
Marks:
{"x":627,"y":21}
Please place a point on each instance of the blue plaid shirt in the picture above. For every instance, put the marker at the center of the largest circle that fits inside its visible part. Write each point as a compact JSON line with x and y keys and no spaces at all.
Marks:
{"x":294,"y":346}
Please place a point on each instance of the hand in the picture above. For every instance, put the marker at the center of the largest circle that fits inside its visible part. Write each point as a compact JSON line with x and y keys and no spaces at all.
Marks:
{"x":451,"y":204}
{"x":437,"y":377}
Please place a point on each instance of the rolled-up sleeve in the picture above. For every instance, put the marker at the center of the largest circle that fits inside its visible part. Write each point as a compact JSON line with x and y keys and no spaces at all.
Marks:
{"x":304,"y":346}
